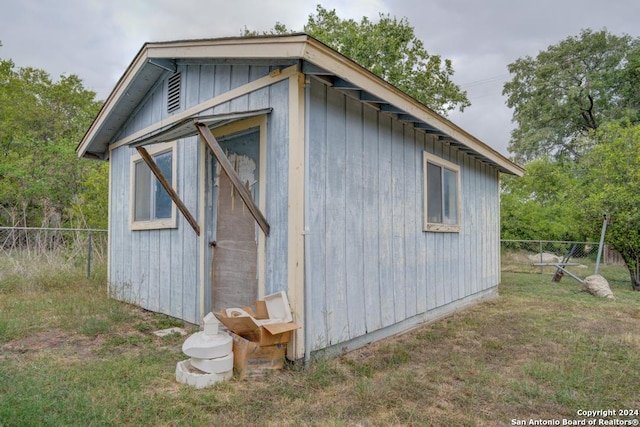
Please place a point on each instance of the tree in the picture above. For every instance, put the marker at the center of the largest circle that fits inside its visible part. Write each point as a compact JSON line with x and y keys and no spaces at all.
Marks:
{"x":568,"y":90}
{"x":577,"y":109}
{"x":41,"y":122}
{"x":611,"y":186}
{"x":390,"y":49}
{"x":540,"y":204}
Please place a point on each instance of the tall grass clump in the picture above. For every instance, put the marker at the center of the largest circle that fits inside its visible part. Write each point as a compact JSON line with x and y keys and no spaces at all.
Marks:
{"x":48,"y":291}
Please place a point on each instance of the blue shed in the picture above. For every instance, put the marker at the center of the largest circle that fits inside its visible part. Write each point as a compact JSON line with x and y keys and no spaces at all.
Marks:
{"x":240,"y":167}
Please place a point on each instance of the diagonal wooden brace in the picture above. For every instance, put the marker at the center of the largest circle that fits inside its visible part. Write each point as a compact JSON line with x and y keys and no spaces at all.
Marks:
{"x":236,"y":181}
{"x":165,"y":184}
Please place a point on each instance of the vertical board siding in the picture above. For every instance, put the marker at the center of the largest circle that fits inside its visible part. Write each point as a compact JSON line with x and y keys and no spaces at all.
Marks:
{"x":354,"y":238}
{"x":200,"y":82}
{"x":158,"y":269}
{"x":316,"y":229}
{"x":432,"y":283}
{"x":385,"y":226}
{"x":422,"y":295}
{"x":335,"y":200}
{"x":277,"y":188}
{"x":412,"y":228}
{"x":372,"y":265}
{"x":397,"y":212}
{"x":371,"y":219}
{"x":189,"y":185}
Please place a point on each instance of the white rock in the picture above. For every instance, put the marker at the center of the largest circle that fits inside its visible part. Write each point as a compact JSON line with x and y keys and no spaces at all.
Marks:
{"x":214,"y":366}
{"x":203,"y":346}
{"x":598,"y":286}
{"x":545,"y":257}
{"x":186,"y":374}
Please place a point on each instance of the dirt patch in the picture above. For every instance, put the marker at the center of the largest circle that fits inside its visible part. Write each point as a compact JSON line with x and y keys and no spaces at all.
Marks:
{"x":79,"y":345}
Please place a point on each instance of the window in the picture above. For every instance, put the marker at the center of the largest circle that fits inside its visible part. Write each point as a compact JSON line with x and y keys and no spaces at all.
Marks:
{"x":151,"y":206}
{"x":441,"y":194}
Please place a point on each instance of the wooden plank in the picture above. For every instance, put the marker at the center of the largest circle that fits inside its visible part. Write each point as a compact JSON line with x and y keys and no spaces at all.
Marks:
{"x":485,"y":226}
{"x":452,"y":265}
{"x":189,"y":250}
{"x":118,"y":222}
{"x":206,"y":83}
{"x":438,"y":246}
{"x":276,"y":253}
{"x":155,"y":264}
{"x":354,"y":220}
{"x":239,"y":77}
{"x":189,"y":174}
{"x":398,"y":197}
{"x":221,"y":87}
{"x":165,"y":184}
{"x":432,"y":283}
{"x":191,"y":86}
{"x":476,"y":259}
{"x":335,"y":186}
{"x":258,"y":99}
{"x":215,"y":148}
{"x":467,"y":227}
{"x":422,"y":298}
{"x":411,"y":224}
{"x":385,"y":226}
{"x":371,"y":203}
{"x":316,"y":319}
{"x":177,"y":280}
{"x":295,"y":214}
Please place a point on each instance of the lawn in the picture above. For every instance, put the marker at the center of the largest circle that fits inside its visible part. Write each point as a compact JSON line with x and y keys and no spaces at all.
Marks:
{"x":543,"y":350}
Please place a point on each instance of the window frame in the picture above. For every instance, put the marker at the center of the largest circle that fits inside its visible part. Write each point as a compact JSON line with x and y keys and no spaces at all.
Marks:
{"x":429,"y":158}
{"x":160,"y":223}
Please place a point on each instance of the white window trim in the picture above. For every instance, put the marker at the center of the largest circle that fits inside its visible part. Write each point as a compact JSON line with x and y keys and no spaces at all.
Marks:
{"x":158,"y":223}
{"x":438,"y":227}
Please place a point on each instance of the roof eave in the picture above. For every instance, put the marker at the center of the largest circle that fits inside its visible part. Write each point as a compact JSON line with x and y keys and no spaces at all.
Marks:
{"x":297,"y":46}
{"x":336,"y":63}
{"x":237,"y":47}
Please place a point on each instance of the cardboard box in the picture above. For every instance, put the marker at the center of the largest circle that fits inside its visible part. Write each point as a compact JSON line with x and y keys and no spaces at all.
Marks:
{"x":252,"y":360}
{"x":263,"y":335}
{"x":259,"y":326}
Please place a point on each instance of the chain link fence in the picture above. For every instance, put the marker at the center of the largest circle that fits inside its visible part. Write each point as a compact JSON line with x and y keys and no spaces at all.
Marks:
{"x":21,"y":247}
{"x":538,"y":256}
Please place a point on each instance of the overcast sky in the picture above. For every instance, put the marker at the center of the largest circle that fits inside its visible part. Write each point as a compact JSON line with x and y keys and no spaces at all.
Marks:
{"x":97,"y":39}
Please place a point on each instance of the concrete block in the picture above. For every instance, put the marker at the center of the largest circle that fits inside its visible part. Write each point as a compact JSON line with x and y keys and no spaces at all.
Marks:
{"x":187,"y":374}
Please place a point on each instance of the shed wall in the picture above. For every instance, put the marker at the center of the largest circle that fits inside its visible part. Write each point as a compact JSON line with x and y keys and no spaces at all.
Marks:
{"x":160,"y":269}
{"x":155,"y":269}
{"x":372,"y":265}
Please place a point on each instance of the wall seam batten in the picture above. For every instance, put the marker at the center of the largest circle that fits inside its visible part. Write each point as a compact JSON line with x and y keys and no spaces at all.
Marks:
{"x":295,"y":218}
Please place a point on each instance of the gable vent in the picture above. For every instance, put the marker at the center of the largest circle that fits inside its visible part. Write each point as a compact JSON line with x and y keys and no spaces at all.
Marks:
{"x":173,"y":93}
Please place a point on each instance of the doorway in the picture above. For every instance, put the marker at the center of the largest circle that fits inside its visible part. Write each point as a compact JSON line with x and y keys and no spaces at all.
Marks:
{"x":234,"y":264}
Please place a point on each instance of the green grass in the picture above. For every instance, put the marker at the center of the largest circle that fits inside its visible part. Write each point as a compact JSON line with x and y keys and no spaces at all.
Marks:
{"x":71,"y":356}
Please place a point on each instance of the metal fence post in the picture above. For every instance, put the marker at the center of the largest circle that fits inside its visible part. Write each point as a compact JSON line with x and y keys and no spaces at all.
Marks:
{"x":89,"y":254}
{"x":600,"y":247}
{"x":541,"y":266}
